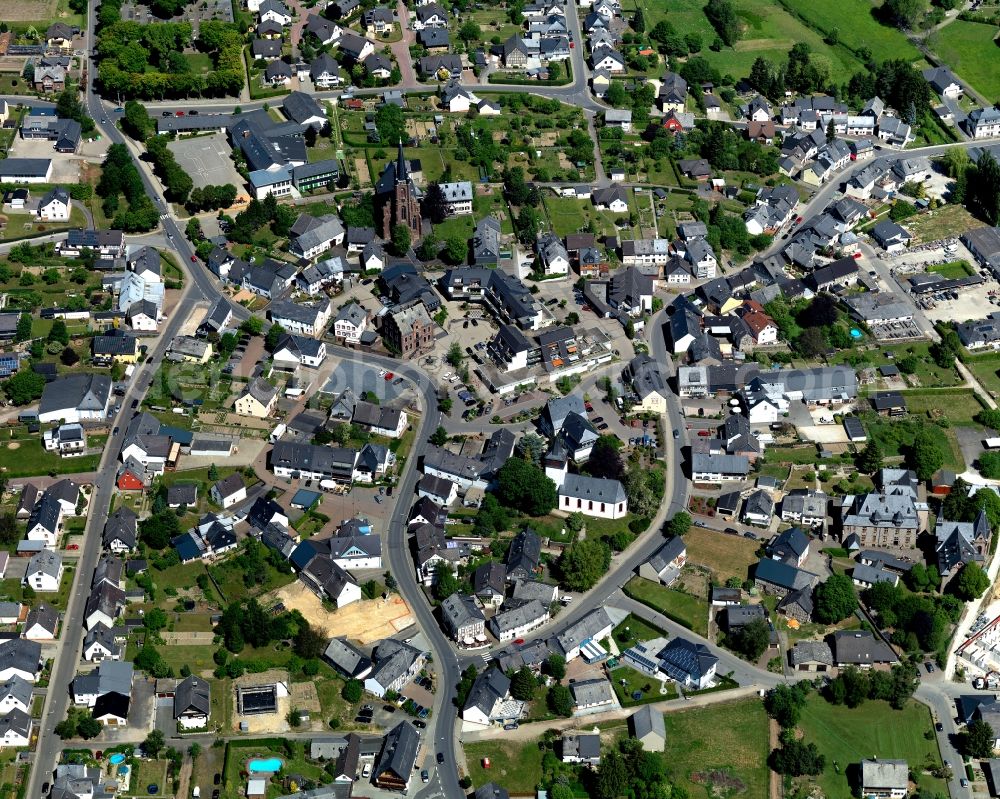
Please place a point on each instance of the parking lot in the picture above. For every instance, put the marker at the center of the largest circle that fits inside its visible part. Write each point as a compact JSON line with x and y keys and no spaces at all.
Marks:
{"x":65,"y":167}
{"x":206,"y":159}
{"x":895,"y":331}
{"x":193,"y":14}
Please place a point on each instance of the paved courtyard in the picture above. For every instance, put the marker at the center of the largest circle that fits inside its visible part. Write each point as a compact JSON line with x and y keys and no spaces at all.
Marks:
{"x":206,"y":160}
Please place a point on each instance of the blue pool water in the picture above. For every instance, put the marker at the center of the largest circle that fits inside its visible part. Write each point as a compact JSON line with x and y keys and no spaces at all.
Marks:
{"x":116,"y":758}
{"x":258,"y":765}
{"x":123,"y":770}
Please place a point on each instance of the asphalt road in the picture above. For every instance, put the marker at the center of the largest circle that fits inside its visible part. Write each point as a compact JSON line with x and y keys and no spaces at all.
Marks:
{"x":201,"y":286}
{"x":443,"y":723}
{"x":197,"y":287}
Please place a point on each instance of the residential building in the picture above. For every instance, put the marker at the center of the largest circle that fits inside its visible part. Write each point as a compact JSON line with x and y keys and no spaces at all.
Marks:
{"x":861,"y":649}
{"x":489,"y":695}
{"x":515,"y":621}
{"x":44,"y":572}
{"x":394,"y":764}
{"x":463,"y":620}
{"x":885,"y":779}
{"x":395,"y":664}
{"x":646,"y":726}
{"x":408,"y":329}
{"x":192,"y":703}
{"x":688,"y":663}
{"x":258,"y":399}
{"x":664,"y":566}
{"x":581,"y":748}
{"x":229,"y":490}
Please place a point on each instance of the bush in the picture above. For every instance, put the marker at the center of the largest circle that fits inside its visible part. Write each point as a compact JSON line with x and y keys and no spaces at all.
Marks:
{"x":639,"y":525}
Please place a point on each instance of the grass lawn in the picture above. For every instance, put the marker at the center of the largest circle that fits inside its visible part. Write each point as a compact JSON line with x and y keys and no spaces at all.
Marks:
{"x":455,"y":226}
{"x":940,"y":223}
{"x":958,"y":405}
{"x":857,"y":27}
{"x":180,"y":577}
{"x":952,"y":269}
{"x":18,"y":226}
{"x":769,"y":30}
{"x":517,"y":765}
{"x":626,"y":681}
{"x":200,"y":62}
{"x":28,"y":457}
{"x":634,"y":629}
{"x":987,"y":369}
{"x":685,"y":609}
{"x":569,"y":215}
{"x":197,"y":658}
{"x":927,"y":372}
{"x":328,"y":687}
{"x":719,"y":750}
{"x":799,"y":456}
{"x":846,"y":736}
{"x":726,"y":555}
{"x":146,"y":773}
{"x":970,"y":50}
{"x":894,"y":434}
{"x":13,"y":83}
{"x":229,"y":576}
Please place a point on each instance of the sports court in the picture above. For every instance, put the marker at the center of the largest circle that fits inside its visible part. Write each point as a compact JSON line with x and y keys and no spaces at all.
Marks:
{"x":206,"y":159}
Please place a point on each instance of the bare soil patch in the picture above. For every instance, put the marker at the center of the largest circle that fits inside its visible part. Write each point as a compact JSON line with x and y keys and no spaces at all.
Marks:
{"x":365,"y":621}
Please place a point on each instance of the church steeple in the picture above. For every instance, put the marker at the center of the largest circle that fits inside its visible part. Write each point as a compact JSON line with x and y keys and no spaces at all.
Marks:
{"x":401,"y":175}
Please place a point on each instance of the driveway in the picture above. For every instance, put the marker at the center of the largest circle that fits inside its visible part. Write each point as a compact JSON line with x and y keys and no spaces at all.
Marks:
{"x":401,"y":49}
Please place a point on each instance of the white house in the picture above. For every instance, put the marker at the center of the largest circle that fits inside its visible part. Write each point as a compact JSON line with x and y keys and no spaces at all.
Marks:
{"x":553,"y":255}
{"x":351,"y":322}
{"x":593,"y":496}
{"x":20,"y":658}
{"x":192,"y":703}
{"x":229,"y":491}
{"x":55,"y":206}
{"x":45,"y":571}
{"x":612,"y":198}
{"x":15,"y":694}
{"x":15,"y":729}
{"x":457,"y":197}
{"x":274,"y":11}
{"x":41,"y":624}
{"x":43,"y":524}
{"x":511,"y":623}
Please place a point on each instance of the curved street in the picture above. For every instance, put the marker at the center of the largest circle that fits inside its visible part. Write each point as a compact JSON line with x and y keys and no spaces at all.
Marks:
{"x":442,"y":732}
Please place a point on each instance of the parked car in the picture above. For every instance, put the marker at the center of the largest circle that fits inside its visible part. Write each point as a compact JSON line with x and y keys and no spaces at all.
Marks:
{"x":420,"y":725}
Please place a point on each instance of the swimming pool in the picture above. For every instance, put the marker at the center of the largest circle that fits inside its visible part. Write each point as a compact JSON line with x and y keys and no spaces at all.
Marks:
{"x":116,"y":758}
{"x":267,"y":764}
